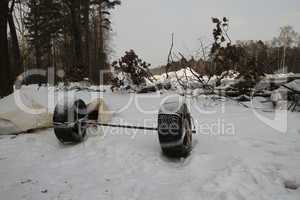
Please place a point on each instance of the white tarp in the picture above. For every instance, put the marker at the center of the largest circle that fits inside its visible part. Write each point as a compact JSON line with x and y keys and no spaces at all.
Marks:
{"x":28,"y":109}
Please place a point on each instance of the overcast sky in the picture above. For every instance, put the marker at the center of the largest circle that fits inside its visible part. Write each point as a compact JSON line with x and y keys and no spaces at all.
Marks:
{"x":146,"y":25}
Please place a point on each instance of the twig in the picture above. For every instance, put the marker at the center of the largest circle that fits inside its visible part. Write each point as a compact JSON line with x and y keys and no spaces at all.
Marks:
{"x":170,"y":59}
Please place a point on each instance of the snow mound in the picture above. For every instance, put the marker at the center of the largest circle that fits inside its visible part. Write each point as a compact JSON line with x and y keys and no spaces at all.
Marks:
{"x":189,"y":75}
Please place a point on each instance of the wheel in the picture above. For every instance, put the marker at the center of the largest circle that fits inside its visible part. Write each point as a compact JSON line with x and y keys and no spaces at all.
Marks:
{"x":182,"y":148}
{"x":67,"y":125}
{"x":188,"y":138}
{"x":174,"y":129}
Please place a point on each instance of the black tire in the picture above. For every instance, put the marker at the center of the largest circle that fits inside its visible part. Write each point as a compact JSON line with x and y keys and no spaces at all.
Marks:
{"x":182,"y":149}
{"x":70,"y":114}
{"x":188,"y":138}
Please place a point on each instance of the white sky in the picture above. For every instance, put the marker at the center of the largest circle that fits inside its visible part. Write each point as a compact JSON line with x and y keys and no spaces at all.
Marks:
{"x":146,"y":25}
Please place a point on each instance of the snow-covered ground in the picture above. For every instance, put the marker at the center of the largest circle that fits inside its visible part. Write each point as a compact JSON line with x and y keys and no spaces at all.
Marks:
{"x":236,"y":155}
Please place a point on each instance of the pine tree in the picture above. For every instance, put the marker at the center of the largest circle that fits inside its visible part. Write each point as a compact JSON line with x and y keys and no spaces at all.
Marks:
{"x":43,"y":22}
{"x":103,"y":9}
{"x":69,"y":21}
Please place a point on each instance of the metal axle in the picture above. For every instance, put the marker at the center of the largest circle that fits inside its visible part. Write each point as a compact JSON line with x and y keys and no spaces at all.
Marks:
{"x":110,"y":125}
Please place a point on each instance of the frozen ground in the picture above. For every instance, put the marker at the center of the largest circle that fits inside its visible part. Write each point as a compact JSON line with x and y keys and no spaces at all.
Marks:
{"x":242,"y":159}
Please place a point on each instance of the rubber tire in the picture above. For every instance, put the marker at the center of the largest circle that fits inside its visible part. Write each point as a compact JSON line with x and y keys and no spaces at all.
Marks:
{"x":183,"y":149}
{"x":75,"y":134}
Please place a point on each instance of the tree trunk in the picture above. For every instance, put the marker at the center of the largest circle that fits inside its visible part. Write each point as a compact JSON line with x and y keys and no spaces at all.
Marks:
{"x":94,"y":47}
{"x":101,"y":54}
{"x":76,"y":32}
{"x":37,"y":49}
{"x":87,"y":36}
{"x":283,"y":59}
{"x":17,"y":65}
{"x":6,"y":87}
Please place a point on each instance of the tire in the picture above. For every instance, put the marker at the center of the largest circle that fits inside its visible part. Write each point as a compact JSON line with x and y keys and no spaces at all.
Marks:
{"x":184,"y":148}
{"x":70,"y":114}
{"x":188,"y":138}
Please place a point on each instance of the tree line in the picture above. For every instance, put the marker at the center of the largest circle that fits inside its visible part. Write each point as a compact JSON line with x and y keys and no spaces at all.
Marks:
{"x":74,"y":35}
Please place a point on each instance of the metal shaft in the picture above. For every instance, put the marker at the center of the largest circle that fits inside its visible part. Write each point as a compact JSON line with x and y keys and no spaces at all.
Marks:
{"x":124,"y":126}
{"x":56,"y":124}
{"x":127,"y":126}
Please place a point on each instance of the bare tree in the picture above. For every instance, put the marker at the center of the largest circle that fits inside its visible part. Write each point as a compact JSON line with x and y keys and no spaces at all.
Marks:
{"x":287,"y":38}
{"x":170,"y":59}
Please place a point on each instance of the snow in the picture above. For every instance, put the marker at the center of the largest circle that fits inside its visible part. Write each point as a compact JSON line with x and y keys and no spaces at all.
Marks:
{"x":294,"y":85}
{"x":280,"y":96}
{"x":184,"y":74}
{"x":236,"y":155}
{"x":171,"y":105}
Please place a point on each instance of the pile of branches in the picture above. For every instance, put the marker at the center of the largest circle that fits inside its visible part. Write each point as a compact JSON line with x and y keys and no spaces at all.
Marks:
{"x":219,"y":59}
{"x":130,"y":72}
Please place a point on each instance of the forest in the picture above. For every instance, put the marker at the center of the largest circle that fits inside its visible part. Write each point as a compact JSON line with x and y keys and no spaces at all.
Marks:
{"x":72,"y":35}
{"x":75,"y":36}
